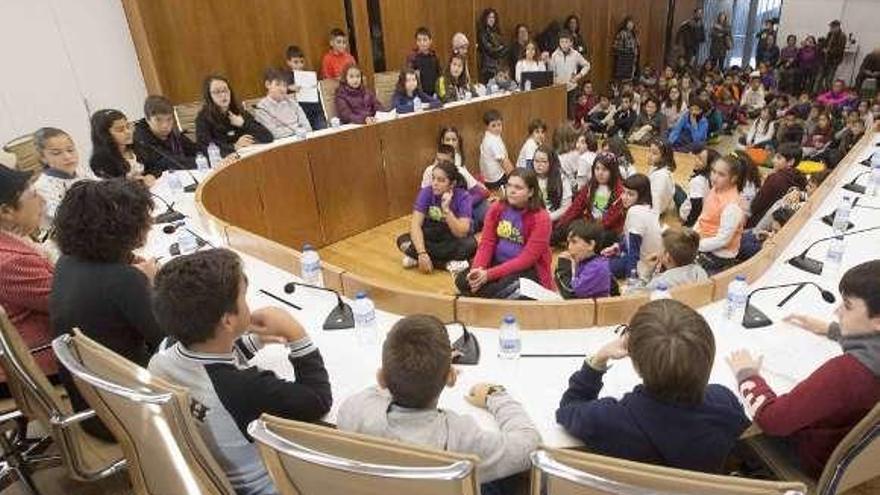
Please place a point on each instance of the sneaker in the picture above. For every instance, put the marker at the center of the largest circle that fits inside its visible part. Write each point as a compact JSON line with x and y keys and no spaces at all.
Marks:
{"x":410,"y":262}
{"x":456,"y":266}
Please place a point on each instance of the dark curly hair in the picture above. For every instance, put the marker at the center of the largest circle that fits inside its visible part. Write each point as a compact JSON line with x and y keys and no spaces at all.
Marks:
{"x":103,"y":221}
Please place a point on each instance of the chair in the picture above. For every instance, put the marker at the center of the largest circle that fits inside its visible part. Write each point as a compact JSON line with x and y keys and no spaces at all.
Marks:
{"x":85,"y":457}
{"x":25,"y":152}
{"x":855,"y":460}
{"x":306,"y":459}
{"x":149,"y":416}
{"x":560,"y":472}
{"x":185,"y":115}
{"x":385,"y":83}
{"x":327,"y":91}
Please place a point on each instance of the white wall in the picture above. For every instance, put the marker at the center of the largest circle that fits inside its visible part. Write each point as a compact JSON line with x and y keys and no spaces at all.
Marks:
{"x":62,"y":60}
{"x":803,"y":17}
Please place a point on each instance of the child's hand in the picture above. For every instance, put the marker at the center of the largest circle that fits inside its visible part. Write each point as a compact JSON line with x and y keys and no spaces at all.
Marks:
{"x":479,"y":394}
{"x":742,"y":360}
{"x":615,"y":349}
{"x":815,"y":325}
{"x":293,"y":88}
{"x":425,"y":263}
{"x":370,"y":120}
{"x":445,"y":199}
{"x":611,"y":251}
{"x":244,"y":142}
{"x":477,"y":278}
{"x":652,"y":259}
{"x":762,"y":235}
{"x":566,"y":255}
{"x":236,"y":120}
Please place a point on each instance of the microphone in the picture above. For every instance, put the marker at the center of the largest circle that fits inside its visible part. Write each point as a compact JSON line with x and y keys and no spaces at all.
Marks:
{"x":340,"y":317}
{"x":190,"y":188}
{"x":170,"y":215}
{"x":856,"y":188}
{"x":829,"y":218}
{"x":174,"y":249}
{"x":755,"y":318}
{"x":276,"y":119}
{"x":813,"y":266}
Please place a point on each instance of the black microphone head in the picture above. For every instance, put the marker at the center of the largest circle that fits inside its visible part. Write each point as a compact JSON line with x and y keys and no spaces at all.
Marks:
{"x":289,"y":287}
{"x":169,"y":229}
{"x":828,"y":296}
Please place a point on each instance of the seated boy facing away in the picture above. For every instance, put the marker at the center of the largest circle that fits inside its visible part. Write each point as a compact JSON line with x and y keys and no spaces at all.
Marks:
{"x":819,"y":411}
{"x":678,"y":261}
{"x":199,"y":299}
{"x":675,"y":418}
{"x":416,"y":366}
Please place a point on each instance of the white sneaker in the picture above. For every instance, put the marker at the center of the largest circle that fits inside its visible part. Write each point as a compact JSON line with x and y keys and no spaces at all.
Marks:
{"x":456,"y":266}
{"x":410,"y":262}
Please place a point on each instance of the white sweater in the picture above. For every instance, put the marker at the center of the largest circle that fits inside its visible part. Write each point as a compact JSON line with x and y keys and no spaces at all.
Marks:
{"x":52,"y":185}
{"x":731,"y":218}
{"x":662,"y":189}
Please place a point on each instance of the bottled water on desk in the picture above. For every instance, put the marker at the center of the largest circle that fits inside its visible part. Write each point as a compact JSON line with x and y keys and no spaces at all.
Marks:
{"x":874,"y":182}
{"x":661,"y":292}
{"x":509,"y":343}
{"x":417,"y":104}
{"x":528,"y":85}
{"x":841,"y":216}
{"x":175,"y":185}
{"x":310,"y":266}
{"x":214,"y":157}
{"x":835,"y":252}
{"x":492,"y":88}
{"x":301,"y":132}
{"x":633,"y":282}
{"x":737,"y":293}
{"x":335,"y":122}
{"x":365,"y":327}
{"x":186,"y":241}
{"x":202,"y":162}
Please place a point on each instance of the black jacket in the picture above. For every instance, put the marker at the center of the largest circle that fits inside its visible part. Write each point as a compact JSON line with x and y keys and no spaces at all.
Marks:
{"x":225,"y":134}
{"x":158,"y":155}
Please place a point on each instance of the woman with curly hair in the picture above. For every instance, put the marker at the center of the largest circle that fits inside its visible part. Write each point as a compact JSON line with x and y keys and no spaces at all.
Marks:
{"x":100,"y":285}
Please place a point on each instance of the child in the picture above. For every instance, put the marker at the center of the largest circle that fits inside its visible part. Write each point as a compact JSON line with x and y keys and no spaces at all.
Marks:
{"x":785,"y":176}
{"x":600,"y":116}
{"x":502,"y":81}
{"x":278,"y":112}
{"x":529,"y":63}
{"x":440,"y":229}
{"x":555,"y":188}
{"x":424,"y":61}
{"x":494,"y":163}
{"x":586,"y":100}
{"x":753,"y":98}
{"x":762,"y":131}
{"x":158,"y":143}
{"x":224,"y":122}
{"x":753,"y":239}
{"x":599,"y":200}
{"x":818,"y":412}
{"x":337,"y":57}
{"x":624,"y":117}
{"x":641,"y":231}
{"x":677,"y":262}
{"x":416,"y":366}
{"x":692,"y":129}
{"x":721,"y":222}
{"x":575,"y":157}
{"x":407,"y":90}
{"x":582,"y":272}
{"x":617,"y":146}
{"x":201,"y":301}
{"x":698,"y":186}
{"x":587,"y":147}
{"x":455,"y":84}
{"x":838,"y":97}
{"x":355,"y":104}
{"x":537,"y":132}
{"x":649,"y":125}
{"x":296,"y":61}
{"x":113,"y":152}
{"x":661,"y":165}
{"x":60,"y":160}
{"x":673,"y":107}
{"x":790,"y":130}
{"x":569,"y":66}
{"x":821,"y":135}
{"x":675,"y":418}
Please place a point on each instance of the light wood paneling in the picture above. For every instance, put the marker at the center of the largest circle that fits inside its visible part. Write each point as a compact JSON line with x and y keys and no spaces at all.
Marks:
{"x":694,"y":295}
{"x":398,"y":300}
{"x":179,"y":42}
{"x":529,"y":314}
{"x":614,"y":310}
{"x":751,"y":269}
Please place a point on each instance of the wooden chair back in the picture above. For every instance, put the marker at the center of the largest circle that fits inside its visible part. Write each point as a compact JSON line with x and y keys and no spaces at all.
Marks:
{"x":385,"y":84}
{"x":27,"y":158}
{"x":327,"y":91}
{"x":856,"y":459}
{"x":185,"y":115}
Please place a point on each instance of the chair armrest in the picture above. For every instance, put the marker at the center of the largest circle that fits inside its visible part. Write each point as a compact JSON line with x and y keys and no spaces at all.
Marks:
{"x":66,"y":421}
{"x":41,"y":348}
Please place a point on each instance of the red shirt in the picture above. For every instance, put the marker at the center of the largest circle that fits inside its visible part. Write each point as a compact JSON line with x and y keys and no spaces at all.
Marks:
{"x":333,"y":63}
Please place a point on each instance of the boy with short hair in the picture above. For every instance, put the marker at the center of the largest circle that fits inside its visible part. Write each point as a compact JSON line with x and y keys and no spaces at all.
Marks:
{"x":537,"y":136}
{"x":494,"y":163}
{"x":296,"y":61}
{"x":416,"y":366}
{"x":678,"y":261}
{"x":502,"y":80}
{"x":675,"y":418}
{"x":200,"y":299}
{"x":337,"y":57}
{"x":819,"y":411}
{"x":784,"y":177}
{"x":424,"y":61}
{"x":158,"y":143}
{"x":754,"y":97}
{"x":569,"y":67}
{"x":277,"y":111}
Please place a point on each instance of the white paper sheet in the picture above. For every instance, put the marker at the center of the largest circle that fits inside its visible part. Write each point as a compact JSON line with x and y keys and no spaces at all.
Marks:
{"x":308,"y":86}
{"x":532,"y":290}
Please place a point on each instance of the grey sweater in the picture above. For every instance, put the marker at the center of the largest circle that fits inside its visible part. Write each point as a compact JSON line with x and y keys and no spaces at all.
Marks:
{"x":502,"y":453}
{"x":679,"y":275}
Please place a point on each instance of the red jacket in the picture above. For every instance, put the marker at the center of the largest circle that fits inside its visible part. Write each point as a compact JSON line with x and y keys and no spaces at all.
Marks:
{"x":25,"y":283}
{"x":581,"y":208}
{"x":333,"y":63}
{"x":535,"y":253}
{"x":819,"y":411}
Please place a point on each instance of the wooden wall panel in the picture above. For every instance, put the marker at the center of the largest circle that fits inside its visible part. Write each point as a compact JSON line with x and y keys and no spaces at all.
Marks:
{"x":349,"y":182}
{"x":179,"y":42}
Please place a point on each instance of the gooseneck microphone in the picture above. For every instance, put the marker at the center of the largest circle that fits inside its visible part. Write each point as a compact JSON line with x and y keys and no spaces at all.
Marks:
{"x":810,"y":265}
{"x":340,"y":317}
{"x":755,"y":318}
{"x":176,"y":165}
{"x":829,"y":218}
{"x":170,"y":214}
{"x":853,"y":186}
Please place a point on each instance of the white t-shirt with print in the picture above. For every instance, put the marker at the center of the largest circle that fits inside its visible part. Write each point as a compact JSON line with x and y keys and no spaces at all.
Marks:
{"x":492,"y":152}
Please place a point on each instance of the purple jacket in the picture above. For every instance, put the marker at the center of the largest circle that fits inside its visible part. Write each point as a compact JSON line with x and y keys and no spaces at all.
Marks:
{"x":592,"y":278}
{"x":808,"y":58}
{"x":353,"y":106}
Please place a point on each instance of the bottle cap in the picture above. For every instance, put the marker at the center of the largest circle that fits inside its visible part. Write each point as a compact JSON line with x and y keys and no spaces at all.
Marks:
{"x":308,"y":247}
{"x":509,"y":319}
{"x":662,"y":286}
{"x":741,"y":278}
{"x":361,"y":295}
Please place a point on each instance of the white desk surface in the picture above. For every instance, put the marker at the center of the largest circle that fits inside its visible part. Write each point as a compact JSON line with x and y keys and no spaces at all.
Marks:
{"x":790,"y":354}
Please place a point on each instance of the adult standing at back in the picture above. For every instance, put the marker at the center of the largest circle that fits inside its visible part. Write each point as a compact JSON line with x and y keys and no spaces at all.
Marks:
{"x":835,"y":45}
{"x":721,"y":40}
{"x":691,"y":34}
{"x":573,"y":25}
{"x":626,"y":50}
{"x":490,"y":47}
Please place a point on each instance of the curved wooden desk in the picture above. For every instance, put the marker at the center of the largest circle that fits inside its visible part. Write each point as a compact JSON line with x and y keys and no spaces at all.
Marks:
{"x":333,"y":186}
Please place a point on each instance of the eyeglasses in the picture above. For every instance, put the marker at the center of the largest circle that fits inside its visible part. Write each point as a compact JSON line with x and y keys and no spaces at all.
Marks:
{"x":218,"y":92}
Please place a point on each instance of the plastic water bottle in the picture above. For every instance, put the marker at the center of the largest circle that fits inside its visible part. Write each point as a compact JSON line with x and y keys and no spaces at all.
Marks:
{"x":835,"y":251}
{"x":528,"y":85}
{"x":841,"y":216}
{"x":214,"y":157}
{"x":492,"y":89}
{"x":874,"y":184}
{"x":310,"y":265}
{"x":175,"y":185}
{"x":417,"y":104}
{"x":335,"y":122}
{"x":737,"y":292}
{"x":365,"y":320}
{"x":633,"y":282}
{"x":660,"y":292}
{"x":301,"y":132}
{"x":186,"y":241}
{"x":509,"y":343}
{"x":202,"y":162}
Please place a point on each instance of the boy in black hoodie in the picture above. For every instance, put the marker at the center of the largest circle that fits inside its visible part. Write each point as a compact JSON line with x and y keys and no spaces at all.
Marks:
{"x":424,"y":61}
